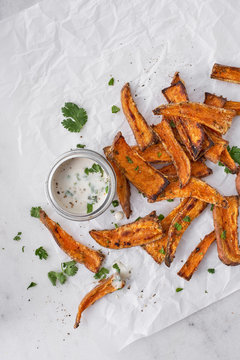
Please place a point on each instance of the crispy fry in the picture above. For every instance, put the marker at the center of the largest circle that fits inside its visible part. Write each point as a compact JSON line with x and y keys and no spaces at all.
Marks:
{"x":92,"y":259}
{"x":155,"y":153}
{"x":226,"y":73}
{"x":106,"y":286}
{"x":174,"y":149}
{"x":136,"y":169}
{"x":226,"y":229}
{"x":227,"y":160}
{"x":196,"y":256}
{"x":179,"y":225}
{"x":233,"y":105}
{"x":142,"y":132}
{"x":140,"y":232}
{"x":176,"y":78}
{"x":215,"y":118}
{"x":196,"y":188}
{"x":176,"y":93}
{"x":157,"y":249}
{"x":214,"y":153}
{"x":214,"y":100}
{"x":237,"y":182}
{"x":123,"y":187}
{"x":198,"y":169}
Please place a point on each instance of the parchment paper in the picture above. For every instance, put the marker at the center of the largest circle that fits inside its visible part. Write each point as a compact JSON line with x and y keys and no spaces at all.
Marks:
{"x":67,"y":51}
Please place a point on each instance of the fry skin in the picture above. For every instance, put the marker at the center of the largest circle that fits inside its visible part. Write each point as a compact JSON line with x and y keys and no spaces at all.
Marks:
{"x":196,"y":188}
{"x":198,"y":169}
{"x":226,"y":73}
{"x":123,"y":187}
{"x":106,"y":286}
{"x":143,"y":133}
{"x":192,"y":209}
{"x":140,"y":232}
{"x":193,"y":261}
{"x":215,"y":118}
{"x":226,"y":230}
{"x":139,"y":172}
{"x":92,"y":259}
{"x":174,"y":149}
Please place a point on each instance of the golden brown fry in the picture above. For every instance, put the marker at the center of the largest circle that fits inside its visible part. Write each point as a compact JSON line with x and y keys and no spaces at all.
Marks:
{"x":155,"y":153}
{"x":176,"y":78}
{"x":214,"y":153}
{"x":226,"y":73}
{"x":136,"y":169}
{"x":196,"y":256}
{"x":174,"y":149}
{"x":233,"y":105}
{"x":179,"y":225}
{"x":237,"y":182}
{"x":140,"y":232}
{"x":92,"y":259}
{"x":226,"y":229}
{"x":106,"y":286}
{"x":196,"y":188}
{"x":157,"y":249}
{"x":198,"y":169}
{"x":176,"y":93}
{"x":215,"y":118}
{"x":228,"y":161}
{"x":142,"y":132}
{"x":123,"y":187}
{"x":214,"y":100}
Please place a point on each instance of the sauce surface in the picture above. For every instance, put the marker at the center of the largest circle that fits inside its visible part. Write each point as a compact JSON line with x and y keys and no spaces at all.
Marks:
{"x":80,"y":185}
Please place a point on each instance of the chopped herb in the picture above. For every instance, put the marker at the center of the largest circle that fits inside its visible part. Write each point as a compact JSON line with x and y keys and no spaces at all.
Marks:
{"x":161,"y":217}
{"x":187,"y":219}
{"x":170,"y":200}
{"x":32,"y":284}
{"x":35,"y":211}
{"x":94,"y":169}
{"x":61,"y":278}
{"x":115,"y":203}
{"x":201,"y":253}
{"x":178,"y":226}
{"x":42,"y":253}
{"x":54,"y":276}
{"x":115,"y":109}
{"x":69,"y":268}
{"x":78,"y":177}
{"x":162,"y":251}
{"x":223,"y":235}
{"x":76,"y":117}
{"x":129,"y":160}
{"x":159,"y":154}
{"x":116,"y":226}
{"x":235,"y":153}
{"x":212,"y":207}
{"x":115,"y":266}
{"x":137,"y":168}
{"x":89,"y":208}
{"x":220,"y":163}
{"x":111,"y":82}
{"x":102,"y":273}
{"x":23,"y":248}
{"x":81,"y":146}
{"x":179,"y":289}
{"x":106,"y":189}
{"x":138,"y":218}
{"x":211,"y":271}
{"x":18,"y":236}
{"x":227,"y":171}
{"x":112,"y":211}
{"x":172,"y":124}
{"x":68,"y":193}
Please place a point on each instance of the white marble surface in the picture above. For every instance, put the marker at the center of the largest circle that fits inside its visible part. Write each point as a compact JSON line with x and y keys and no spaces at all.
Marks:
{"x":27,"y":332}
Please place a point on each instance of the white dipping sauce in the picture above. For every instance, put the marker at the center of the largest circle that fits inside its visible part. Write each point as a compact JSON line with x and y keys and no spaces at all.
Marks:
{"x":80,"y":185}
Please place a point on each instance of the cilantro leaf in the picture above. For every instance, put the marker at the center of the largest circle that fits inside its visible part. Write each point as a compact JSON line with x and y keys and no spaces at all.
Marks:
{"x":220,"y":163}
{"x":172,"y":124}
{"x":138,"y":218}
{"x":115,"y":266}
{"x":179,"y":289}
{"x":115,"y":203}
{"x":54,"y":276}
{"x":111,"y":82}
{"x":170,"y":200}
{"x":102,"y":273}
{"x":115,"y":109}
{"x":162,"y":251}
{"x":212,"y":207}
{"x":23,"y":247}
{"x":235,"y":153}
{"x":81,"y":146}
{"x":69,"y":268}
{"x":32,"y":284}
{"x":187,"y":219}
{"x":159,"y":154}
{"x":76,"y":117}
{"x":178,"y":226}
{"x":161,"y":217}
{"x":18,"y":236}
{"x":35,"y":211}
{"x":89,"y":208}
{"x":211,"y":271}
{"x":42,"y":253}
{"x":129,"y":160}
{"x":94,"y":169}
{"x":223,"y":234}
{"x":116,"y":226}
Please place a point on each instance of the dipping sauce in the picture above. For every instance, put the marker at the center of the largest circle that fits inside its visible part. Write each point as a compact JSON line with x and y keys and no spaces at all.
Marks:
{"x":80,"y":185}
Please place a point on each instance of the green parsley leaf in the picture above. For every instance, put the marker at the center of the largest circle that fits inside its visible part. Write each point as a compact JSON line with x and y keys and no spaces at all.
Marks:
{"x":81,"y":146}
{"x":35,"y":211}
{"x":115,"y":109}
{"x":170,"y":200}
{"x":76,"y":117}
{"x":42,"y":253}
{"x":159,"y":154}
{"x":52,"y":277}
{"x":227,"y":171}
{"x":138,"y":218}
{"x":187,"y":219}
{"x":172,"y":124}
{"x":102,"y":273}
{"x":179,"y":289}
{"x":137,"y":168}
{"x":161,"y":217}
{"x":178,"y":226}
{"x":111,"y":82}
{"x":115,"y":203}
{"x":23,"y":248}
{"x":162,"y":251}
{"x":32,"y":284}
{"x":212,"y":207}
{"x":106,"y":189}
{"x":116,"y":226}
{"x":18,"y":236}
{"x":89,"y":208}
{"x":69,"y":268}
{"x":235,"y":154}
{"x":115,"y":266}
{"x":129,"y":160}
{"x":223,"y":235}
{"x":220,"y":163}
{"x":211,"y":271}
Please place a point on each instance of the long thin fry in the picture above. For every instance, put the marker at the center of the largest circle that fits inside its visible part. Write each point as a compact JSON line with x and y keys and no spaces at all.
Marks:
{"x":228,"y":161}
{"x":198,"y":169}
{"x":226,"y":73}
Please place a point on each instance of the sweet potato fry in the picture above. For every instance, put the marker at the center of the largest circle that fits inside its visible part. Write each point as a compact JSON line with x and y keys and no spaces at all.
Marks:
{"x":92,"y":259}
{"x":196,"y":188}
{"x":198,"y":169}
{"x":176,"y":93}
{"x":237,"y":182}
{"x":196,"y":256}
{"x":142,"y":132}
{"x":215,"y":118}
{"x":179,"y":225}
{"x":176,"y":78}
{"x":226,"y":73}
{"x":140,"y":232}
{"x":155,"y":153}
{"x":136,"y":169}
{"x":233,"y":105}
{"x":226,"y":229}
{"x":106,"y":286}
{"x":214,"y":153}
{"x":123,"y":187}
{"x":174,"y":149}
{"x":227,"y":160}
{"x":157,"y":249}
{"x":214,"y":100}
